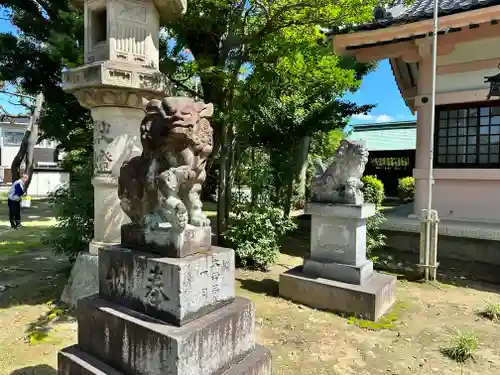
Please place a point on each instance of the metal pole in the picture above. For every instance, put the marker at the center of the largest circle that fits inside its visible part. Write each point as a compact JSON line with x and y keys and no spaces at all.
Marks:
{"x":430,"y":179}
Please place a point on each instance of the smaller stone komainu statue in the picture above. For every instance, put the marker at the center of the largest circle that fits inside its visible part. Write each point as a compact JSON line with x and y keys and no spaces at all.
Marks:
{"x":160,"y":189}
{"x":341,"y":181}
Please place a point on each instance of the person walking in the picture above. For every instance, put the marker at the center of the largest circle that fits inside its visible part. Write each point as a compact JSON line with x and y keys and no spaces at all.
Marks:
{"x":16,"y":191}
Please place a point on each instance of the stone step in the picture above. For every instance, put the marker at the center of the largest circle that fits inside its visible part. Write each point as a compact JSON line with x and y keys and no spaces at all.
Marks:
{"x":370,"y":300}
{"x":135,"y":343}
{"x":258,"y":362}
{"x":175,"y":290}
{"x":73,"y":361}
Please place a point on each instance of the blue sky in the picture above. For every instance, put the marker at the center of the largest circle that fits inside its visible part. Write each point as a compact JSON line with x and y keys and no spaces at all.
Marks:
{"x":378,"y":87}
{"x":6,"y":26}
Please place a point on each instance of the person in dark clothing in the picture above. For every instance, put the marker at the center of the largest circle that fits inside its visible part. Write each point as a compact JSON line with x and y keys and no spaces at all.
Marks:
{"x":16,"y":191}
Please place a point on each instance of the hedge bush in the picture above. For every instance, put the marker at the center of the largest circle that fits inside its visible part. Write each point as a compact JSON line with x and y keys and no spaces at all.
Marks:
{"x":375,"y":239}
{"x":74,"y":207}
{"x":373,"y":190}
{"x":256,"y":234}
{"x":406,"y":189}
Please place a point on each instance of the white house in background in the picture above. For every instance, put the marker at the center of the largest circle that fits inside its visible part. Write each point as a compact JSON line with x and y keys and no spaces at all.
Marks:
{"x":47,"y":175}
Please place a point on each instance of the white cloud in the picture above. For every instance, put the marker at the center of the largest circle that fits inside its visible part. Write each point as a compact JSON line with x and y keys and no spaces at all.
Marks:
{"x":384,"y":118}
{"x":374,"y":118}
{"x":362,"y":116}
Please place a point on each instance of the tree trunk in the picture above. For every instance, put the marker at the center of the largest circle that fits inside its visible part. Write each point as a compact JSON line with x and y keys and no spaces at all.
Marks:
{"x":221,"y":187}
{"x":27,"y":148}
{"x":288,"y":198}
{"x":289,"y":181}
{"x":303,"y":163}
{"x":230,"y":172}
{"x":253,"y":187}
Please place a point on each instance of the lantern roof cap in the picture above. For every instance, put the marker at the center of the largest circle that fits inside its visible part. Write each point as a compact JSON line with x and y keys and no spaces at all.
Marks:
{"x":168,"y":9}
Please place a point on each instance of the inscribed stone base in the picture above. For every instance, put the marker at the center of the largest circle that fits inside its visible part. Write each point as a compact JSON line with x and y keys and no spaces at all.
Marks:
{"x":83,"y":281}
{"x":338,"y":232}
{"x":175,"y":290}
{"x":134,"y":343}
{"x":73,"y":361}
{"x":165,"y":242}
{"x":340,"y":272}
{"x":368,"y":301}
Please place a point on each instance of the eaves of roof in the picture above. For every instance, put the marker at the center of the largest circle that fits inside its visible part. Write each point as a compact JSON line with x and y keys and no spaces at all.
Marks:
{"x":419,"y":10}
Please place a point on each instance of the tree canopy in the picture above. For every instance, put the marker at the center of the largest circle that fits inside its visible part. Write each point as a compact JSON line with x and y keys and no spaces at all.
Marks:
{"x":264,"y":64}
{"x":48,"y":40}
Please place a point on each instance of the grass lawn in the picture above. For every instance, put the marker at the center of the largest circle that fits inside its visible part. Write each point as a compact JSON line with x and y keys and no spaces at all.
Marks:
{"x":303,"y":340}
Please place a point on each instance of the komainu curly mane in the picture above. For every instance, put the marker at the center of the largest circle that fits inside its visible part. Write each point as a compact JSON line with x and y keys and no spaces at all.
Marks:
{"x":341,"y":181}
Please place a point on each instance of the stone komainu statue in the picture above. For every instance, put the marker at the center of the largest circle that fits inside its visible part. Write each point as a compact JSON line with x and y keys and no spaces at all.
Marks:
{"x":163,"y":184}
{"x":341,"y":181}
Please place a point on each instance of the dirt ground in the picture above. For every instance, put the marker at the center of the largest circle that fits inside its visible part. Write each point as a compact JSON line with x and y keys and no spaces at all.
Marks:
{"x":303,"y":340}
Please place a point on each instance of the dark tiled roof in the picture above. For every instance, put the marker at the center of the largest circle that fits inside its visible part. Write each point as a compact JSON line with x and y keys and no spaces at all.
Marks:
{"x":17,"y":120}
{"x":419,"y":10}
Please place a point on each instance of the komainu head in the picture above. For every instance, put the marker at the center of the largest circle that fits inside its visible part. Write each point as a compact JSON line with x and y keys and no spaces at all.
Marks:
{"x":182,"y":119}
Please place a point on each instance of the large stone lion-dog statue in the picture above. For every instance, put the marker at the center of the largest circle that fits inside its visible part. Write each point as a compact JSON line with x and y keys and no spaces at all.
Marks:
{"x":163,"y":184}
{"x":341,"y":181}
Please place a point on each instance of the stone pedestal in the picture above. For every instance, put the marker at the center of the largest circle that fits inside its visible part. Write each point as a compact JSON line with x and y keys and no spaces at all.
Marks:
{"x":336,"y":275}
{"x":166,"y":242}
{"x":83,"y":281}
{"x":158,"y":315}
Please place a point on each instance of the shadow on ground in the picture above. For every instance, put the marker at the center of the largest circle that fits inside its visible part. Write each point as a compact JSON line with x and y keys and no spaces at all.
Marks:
{"x":297,"y":243}
{"x":40,"y":211}
{"x":477,"y":276}
{"x":35,"y":370}
{"x":269,"y":287}
{"x":26,"y":262}
{"x":454,"y":272}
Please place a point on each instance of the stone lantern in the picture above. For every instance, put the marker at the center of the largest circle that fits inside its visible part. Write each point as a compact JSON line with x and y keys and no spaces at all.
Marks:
{"x":494,"y":82}
{"x":120,"y":71}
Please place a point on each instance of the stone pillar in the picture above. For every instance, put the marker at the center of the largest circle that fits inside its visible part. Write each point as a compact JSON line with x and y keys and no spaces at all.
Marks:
{"x":116,"y":139}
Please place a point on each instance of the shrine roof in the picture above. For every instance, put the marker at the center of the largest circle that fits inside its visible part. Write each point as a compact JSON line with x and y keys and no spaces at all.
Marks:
{"x":418,"y":10}
{"x":390,"y":136}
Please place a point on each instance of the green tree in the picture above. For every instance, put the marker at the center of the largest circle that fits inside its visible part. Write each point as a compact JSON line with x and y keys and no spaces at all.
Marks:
{"x":229,"y":39}
{"x":49,"y":39}
{"x":298,"y":100}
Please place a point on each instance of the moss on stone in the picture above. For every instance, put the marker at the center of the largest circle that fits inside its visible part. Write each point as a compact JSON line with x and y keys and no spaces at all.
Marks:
{"x":388,"y":321}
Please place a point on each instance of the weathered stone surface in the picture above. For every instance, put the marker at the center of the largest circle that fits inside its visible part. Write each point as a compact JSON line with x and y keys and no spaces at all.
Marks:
{"x":338,"y":240}
{"x":258,"y":362}
{"x":165,"y":241}
{"x":341,"y":181}
{"x":113,"y":83}
{"x":338,"y":232}
{"x":340,"y":272}
{"x":346,"y":211}
{"x":176,"y":290}
{"x":137,"y":344}
{"x":83,"y":281}
{"x":162,"y":186}
{"x":170,"y":9}
{"x":73,"y":361}
{"x":369,"y":301}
